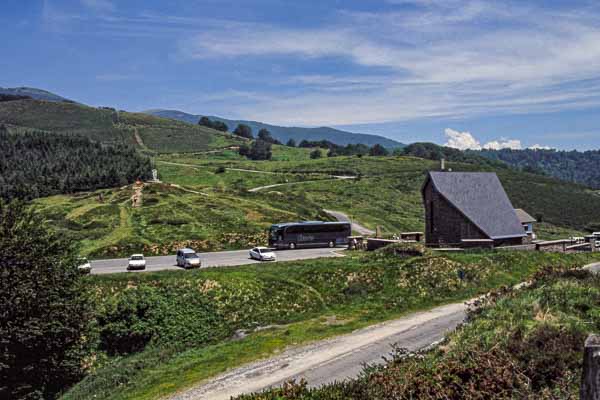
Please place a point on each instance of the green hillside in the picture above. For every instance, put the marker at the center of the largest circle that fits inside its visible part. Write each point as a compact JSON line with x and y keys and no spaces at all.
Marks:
{"x":213,"y":209}
{"x":107,"y":125}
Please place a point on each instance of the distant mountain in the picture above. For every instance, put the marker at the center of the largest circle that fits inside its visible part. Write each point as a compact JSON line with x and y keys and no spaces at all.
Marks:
{"x":283,"y":133}
{"x":36,"y":94}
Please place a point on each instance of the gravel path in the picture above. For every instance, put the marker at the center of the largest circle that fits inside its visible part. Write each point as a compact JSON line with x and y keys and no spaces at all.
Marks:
{"x":334,"y":359}
{"x":340,"y":216}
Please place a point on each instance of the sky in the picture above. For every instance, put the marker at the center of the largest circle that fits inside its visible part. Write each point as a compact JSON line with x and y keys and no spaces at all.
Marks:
{"x":466,"y":73}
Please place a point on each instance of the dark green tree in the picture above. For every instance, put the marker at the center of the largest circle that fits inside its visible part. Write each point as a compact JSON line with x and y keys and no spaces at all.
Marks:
{"x":378,"y":150}
{"x":205,"y":121}
{"x":244,"y":150}
{"x":220,"y":126}
{"x":260,"y":150}
{"x":266,"y":136}
{"x":291,"y":143}
{"x":44,"y":314}
{"x":316,"y":153}
{"x":244,"y":131}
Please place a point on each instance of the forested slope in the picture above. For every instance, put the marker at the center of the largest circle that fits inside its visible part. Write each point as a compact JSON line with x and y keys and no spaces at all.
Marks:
{"x":39,"y":164}
{"x":574,"y":166}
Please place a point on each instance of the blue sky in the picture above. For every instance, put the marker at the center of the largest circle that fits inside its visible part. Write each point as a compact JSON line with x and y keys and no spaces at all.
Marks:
{"x":469,"y":73}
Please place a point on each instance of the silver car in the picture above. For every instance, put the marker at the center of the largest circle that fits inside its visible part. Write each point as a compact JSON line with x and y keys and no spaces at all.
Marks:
{"x":263,"y":254}
{"x":187,"y":258}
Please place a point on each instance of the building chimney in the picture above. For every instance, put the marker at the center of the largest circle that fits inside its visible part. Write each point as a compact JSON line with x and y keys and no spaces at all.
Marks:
{"x":443,"y":164}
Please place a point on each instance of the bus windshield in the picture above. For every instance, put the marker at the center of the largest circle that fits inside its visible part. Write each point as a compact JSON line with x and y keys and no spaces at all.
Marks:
{"x":275,"y":232}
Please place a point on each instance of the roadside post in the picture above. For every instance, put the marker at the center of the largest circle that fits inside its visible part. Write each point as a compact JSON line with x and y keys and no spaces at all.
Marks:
{"x":590,"y":380}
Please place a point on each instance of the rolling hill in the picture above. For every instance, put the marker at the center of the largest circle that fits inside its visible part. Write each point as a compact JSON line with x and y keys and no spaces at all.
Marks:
{"x":284,"y":133}
{"x":36,"y":94}
{"x":107,"y":125}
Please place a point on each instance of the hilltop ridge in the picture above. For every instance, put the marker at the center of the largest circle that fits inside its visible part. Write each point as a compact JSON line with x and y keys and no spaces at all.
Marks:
{"x":285,"y":133}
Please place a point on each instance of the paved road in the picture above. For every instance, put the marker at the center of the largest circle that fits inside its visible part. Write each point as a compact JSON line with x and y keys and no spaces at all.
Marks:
{"x":214,"y":259}
{"x":335,"y":359}
{"x":340,"y":216}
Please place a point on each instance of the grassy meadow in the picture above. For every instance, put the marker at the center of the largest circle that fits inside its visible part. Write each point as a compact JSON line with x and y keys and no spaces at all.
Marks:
{"x":157,"y":333}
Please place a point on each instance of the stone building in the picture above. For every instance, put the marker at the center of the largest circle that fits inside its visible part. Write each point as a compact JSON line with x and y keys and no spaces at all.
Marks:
{"x":469,"y":208}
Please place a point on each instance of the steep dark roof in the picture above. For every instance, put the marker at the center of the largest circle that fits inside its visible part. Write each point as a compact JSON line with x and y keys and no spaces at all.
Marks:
{"x":523,"y":216}
{"x":482,"y":199}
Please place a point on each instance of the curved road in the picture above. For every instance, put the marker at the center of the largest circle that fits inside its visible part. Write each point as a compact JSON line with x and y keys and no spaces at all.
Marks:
{"x":213,"y":259}
{"x":340,"y":216}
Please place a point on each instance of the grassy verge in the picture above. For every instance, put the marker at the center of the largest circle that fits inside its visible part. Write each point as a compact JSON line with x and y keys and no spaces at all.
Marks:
{"x":521,"y":344}
{"x":161,"y":332}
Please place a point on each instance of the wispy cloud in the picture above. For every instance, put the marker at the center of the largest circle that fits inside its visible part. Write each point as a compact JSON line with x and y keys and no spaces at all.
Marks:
{"x":422,"y":59}
{"x":442,"y":58}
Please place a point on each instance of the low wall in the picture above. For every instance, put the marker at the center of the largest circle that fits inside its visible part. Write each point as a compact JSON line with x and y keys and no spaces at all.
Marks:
{"x":375,"y":243}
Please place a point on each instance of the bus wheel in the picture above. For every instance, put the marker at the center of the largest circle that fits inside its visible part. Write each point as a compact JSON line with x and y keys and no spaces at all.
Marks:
{"x":292,"y":246}
{"x":331,"y":244}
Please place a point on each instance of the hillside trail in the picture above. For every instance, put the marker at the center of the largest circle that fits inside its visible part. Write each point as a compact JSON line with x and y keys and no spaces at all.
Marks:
{"x":254,"y":171}
{"x":259,"y":188}
{"x":136,"y":197}
{"x":138,"y":139}
{"x":340,"y":216}
{"x":341,"y":357}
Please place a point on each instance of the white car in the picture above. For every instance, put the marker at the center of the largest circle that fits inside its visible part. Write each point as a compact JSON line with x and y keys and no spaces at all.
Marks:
{"x":136,"y":261}
{"x":263,"y":254}
{"x":85,"y":267}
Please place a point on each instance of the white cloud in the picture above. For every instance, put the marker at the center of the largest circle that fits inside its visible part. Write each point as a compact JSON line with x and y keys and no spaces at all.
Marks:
{"x":461,"y":140}
{"x":466,"y":141}
{"x":540,"y":147}
{"x":513,"y":144}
